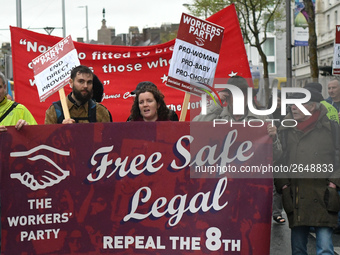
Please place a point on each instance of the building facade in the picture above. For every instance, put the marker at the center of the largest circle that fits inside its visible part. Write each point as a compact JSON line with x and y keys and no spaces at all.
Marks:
{"x":149,"y":36}
{"x":326,"y":19}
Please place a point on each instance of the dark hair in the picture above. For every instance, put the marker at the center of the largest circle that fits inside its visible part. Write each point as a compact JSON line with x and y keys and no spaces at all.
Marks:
{"x":141,"y":85}
{"x":80,"y":69}
{"x":98,"y":89}
{"x":314,"y":85}
{"x":162,"y":112}
{"x":239,"y":82}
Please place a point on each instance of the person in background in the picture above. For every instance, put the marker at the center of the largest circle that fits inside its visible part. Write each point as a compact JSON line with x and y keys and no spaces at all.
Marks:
{"x":217,"y":111}
{"x":12,"y":113}
{"x":277,"y":199}
{"x":173,"y":114}
{"x":334,"y":93}
{"x":9,"y":90}
{"x":149,"y":105}
{"x":79,"y":102}
{"x":332,"y":112}
{"x":310,"y":198}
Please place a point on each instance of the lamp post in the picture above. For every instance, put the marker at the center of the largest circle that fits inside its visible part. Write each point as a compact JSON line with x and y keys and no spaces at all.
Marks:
{"x":288,"y":44}
{"x":87,"y":22}
{"x":64,"y":20}
{"x":19,"y":21}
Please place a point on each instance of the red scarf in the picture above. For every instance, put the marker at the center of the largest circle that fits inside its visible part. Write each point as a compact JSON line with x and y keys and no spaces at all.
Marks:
{"x":308,"y":124}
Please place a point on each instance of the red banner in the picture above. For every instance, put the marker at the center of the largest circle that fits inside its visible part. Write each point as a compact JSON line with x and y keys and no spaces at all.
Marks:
{"x":126,"y":192}
{"x":121,"y":68}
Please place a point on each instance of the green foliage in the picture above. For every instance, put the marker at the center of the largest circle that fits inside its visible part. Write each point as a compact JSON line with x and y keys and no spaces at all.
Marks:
{"x":256,"y":17}
{"x":205,"y":8}
{"x":165,"y":37}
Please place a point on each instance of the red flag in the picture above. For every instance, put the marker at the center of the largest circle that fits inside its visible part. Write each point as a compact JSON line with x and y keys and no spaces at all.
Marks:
{"x":121,"y":68}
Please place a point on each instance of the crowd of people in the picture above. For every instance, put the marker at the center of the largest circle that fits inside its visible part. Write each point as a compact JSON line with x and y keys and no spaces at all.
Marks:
{"x":311,"y":203}
{"x":84,"y":105}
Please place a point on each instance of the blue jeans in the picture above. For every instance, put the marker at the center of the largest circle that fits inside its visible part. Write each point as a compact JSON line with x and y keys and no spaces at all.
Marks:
{"x":324,"y":243}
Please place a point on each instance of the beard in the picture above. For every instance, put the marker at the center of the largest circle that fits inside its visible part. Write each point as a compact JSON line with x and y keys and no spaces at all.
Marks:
{"x":80,"y":97}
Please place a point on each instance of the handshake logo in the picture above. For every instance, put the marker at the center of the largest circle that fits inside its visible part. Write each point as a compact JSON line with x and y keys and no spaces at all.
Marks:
{"x":49,"y":177}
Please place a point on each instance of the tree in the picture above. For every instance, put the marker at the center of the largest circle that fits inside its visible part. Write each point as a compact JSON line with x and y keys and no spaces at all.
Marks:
{"x":312,"y":39}
{"x":205,"y":8}
{"x":256,"y":19}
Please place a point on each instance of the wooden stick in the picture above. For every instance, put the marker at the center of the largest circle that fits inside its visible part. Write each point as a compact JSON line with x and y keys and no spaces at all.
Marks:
{"x":184,"y":107}
{"x":64,"y":103}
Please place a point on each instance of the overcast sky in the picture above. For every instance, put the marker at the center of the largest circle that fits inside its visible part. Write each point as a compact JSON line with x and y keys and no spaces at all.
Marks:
{"x":120,"y":14}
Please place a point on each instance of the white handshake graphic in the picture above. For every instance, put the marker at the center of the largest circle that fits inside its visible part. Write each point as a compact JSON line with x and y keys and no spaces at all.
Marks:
{"x":49,"y":178}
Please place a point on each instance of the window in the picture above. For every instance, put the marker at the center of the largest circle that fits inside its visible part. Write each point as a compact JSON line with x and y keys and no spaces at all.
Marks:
{"x":271,"y":67}
{"x":270,"y":26}
{"x":328,"y":23}
{"x":269,"y":50}
{"x":269,"y":47}
{"x":303,"y":54}
{"x":297,"y":59}
{"x":306,"y":50}
{"x":336,"y":17}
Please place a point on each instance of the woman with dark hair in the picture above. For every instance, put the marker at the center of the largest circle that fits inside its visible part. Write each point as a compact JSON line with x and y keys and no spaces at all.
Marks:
{"x":149,"y":105}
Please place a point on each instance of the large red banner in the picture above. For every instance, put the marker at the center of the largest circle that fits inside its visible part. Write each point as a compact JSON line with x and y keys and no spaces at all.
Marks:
{"x":105,"y":188}
{"x":121,"y":68}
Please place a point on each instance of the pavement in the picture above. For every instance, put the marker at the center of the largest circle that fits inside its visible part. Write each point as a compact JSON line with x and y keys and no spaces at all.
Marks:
{"x":280,"y":240}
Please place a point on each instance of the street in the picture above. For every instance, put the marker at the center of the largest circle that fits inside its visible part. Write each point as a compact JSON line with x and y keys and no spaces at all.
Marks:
{"x":280,"y":240}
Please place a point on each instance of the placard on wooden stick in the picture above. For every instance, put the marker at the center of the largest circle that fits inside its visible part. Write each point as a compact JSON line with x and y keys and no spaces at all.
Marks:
{"x":185,"y":106}
{"x":195,"y":57}
{"x":64,"y":103}
{"x":52,"y":70}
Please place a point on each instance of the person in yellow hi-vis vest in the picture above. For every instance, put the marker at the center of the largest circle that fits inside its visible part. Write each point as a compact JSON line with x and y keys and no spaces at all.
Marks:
{"x":332,"y":112}
{"x":12,"y":113}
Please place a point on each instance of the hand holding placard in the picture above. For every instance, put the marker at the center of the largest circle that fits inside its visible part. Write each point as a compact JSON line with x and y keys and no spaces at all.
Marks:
{"x":52,"y":70}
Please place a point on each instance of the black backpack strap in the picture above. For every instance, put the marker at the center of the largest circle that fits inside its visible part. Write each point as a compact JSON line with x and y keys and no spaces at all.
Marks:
{"x":8,"y":111}
{"x":59,"y":111}
{"x":92,"y":111}
{"x":92,"y":114}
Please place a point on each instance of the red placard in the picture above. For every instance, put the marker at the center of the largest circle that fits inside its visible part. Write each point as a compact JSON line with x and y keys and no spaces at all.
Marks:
{"x":200,"y":32}
{"x":52,"y":68}
{"x":195,"y":57}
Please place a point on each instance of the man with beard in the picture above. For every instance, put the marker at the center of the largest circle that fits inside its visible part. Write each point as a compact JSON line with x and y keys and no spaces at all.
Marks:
{"x":79,"y":102}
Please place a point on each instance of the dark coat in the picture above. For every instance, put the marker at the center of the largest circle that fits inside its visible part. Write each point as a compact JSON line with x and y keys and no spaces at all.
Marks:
{"x":308,"y":201}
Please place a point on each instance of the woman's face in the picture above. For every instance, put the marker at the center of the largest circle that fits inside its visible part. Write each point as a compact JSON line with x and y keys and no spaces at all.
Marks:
{"x":148,"y":106}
